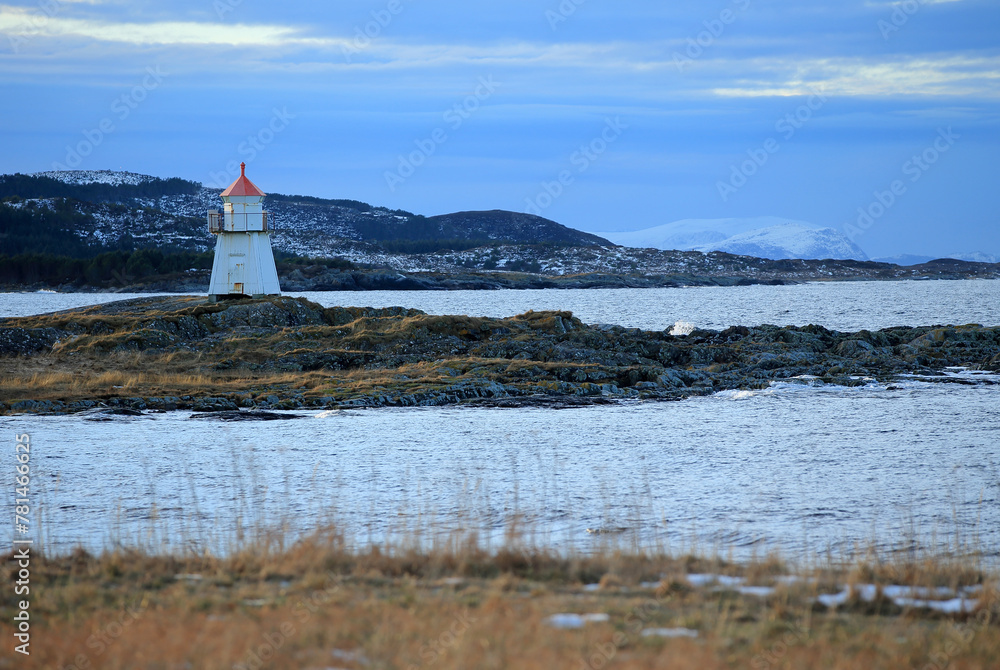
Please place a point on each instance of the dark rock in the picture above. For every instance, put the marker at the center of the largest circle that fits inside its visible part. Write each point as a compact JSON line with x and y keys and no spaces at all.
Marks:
{"x":252,"y":415}
{"x":109,"y":414}
{"x":214,"y":405}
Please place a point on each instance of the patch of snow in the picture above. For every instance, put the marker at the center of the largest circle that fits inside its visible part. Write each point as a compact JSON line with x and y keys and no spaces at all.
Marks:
{"x":759,"y":591}
{"x":350,"y":656}
{"x":698,"y":580}
{"x":571,"y":621}
{"x":669,"y":632}
{"x":904,"y":596}
{"x":953,"y":606}
{"x":682,"y":329}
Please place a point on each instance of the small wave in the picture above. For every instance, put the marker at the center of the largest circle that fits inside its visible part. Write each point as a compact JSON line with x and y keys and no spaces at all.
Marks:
{"x":810,"y":385}
{"x":735,"y":394}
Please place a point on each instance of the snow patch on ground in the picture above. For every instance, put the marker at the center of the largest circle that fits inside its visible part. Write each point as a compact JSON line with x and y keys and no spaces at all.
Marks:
{"x":112,"y":177}
{"x":572,"y":621}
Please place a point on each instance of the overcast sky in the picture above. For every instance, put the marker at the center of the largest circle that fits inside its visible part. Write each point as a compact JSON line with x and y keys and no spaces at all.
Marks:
{"x":600,"y":114}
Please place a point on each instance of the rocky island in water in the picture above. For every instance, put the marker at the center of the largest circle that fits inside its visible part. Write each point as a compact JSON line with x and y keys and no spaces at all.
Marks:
{"x":181,"y":352}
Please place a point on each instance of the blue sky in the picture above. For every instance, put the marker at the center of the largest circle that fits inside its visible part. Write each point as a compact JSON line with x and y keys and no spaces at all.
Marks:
{"x":601,"y":115}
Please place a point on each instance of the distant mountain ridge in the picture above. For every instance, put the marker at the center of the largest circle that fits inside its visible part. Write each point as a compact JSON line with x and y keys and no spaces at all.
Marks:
{"x":914,"y":259}
{"x":304,"y":224}
{"x":763,"y":237}
{"x":791,"y":240}
{"x":129,"y":225}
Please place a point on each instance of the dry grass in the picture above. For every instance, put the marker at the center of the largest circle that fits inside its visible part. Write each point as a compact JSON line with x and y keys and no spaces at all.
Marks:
{"x":145,"y":374}
{"x":68,"y":379}
{"x":320,"y":603}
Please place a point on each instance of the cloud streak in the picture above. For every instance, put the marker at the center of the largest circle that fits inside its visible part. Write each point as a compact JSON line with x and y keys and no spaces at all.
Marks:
{"x":19,"y":21}
{"x":723,"y":75}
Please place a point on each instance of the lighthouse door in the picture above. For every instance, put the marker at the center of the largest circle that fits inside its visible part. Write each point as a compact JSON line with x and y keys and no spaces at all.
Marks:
{"x":237,"y":265}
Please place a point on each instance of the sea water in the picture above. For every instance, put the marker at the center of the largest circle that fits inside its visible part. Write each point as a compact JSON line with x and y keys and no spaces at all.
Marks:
{"x":800,"y":468}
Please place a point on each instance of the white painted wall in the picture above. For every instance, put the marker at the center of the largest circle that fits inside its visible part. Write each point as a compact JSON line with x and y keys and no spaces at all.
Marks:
{"x":244,"y":262}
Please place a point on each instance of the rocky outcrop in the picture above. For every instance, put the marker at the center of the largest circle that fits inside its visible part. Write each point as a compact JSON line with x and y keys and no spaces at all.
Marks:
{"x":284,"y":353}
{"x":24,"y":342}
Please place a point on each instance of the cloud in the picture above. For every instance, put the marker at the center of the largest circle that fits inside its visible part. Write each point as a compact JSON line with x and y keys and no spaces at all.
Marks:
{"x":17,"y":21}
{"x":946,"y":76}
{"x":762,"y":59}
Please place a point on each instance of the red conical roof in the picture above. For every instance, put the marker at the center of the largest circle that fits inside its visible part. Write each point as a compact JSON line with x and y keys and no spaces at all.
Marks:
{"x":243,"y":186}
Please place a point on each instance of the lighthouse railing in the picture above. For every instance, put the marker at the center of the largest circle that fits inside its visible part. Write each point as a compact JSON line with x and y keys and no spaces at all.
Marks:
{"x":216,"y":221}
{"x":219,"y":222}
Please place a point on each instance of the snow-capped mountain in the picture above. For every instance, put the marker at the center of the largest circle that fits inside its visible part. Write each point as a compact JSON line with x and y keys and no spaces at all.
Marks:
{"x":791,"y":240}
{"x":764,"y":237}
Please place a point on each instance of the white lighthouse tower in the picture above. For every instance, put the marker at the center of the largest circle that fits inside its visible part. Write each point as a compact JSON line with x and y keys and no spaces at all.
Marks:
{"x":244,"y":262}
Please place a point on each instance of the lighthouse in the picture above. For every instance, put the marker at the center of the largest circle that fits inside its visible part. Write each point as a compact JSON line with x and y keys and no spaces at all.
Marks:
{"x":244,"y":262}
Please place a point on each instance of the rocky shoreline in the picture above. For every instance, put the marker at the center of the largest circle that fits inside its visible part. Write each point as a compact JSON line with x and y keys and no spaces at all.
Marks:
{"x":182,"y":353}
{"x":323,"y":279}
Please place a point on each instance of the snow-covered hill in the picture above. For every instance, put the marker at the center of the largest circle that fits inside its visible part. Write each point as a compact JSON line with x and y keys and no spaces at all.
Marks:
{"x":765,"y":237}
{"x":122,"y":205}
{"x":110,"y":177}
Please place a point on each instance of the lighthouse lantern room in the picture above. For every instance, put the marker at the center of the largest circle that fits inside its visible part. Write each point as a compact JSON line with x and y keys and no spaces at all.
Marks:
{"x":244,"y":263}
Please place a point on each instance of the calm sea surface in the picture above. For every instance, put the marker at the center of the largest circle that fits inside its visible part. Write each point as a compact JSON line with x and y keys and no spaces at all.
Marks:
{"x":838,"y":305}
{"x":798,"y":468}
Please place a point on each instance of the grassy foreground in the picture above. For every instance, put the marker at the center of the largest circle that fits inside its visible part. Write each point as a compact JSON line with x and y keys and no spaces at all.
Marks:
{"x":322,"y":605}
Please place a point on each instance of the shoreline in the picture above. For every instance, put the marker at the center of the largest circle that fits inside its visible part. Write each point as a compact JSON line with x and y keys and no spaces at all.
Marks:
{"x":183,"y":353}
{"x":729,"y":271}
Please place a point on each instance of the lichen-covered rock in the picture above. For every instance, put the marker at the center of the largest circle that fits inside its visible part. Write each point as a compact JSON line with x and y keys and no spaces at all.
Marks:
{"x":278,"y":312}
{"x":214,"y":405}
{"x":27,"y":341}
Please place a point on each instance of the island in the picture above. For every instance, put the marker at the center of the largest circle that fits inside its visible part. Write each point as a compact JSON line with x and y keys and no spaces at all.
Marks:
{"x":282,"y":353}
